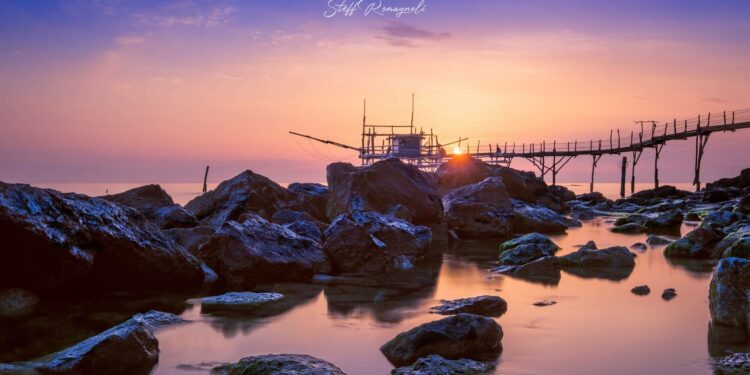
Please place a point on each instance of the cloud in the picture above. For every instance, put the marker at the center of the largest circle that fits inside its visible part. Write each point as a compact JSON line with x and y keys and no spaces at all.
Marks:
{"x":188,"y":14}
{"x":127,"y":40}
{"x":280,"y":37}
{"x":229,"y":77}
{"x":399,"y":34}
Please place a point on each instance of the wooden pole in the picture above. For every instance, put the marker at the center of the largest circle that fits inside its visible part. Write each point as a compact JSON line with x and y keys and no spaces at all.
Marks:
{"x":622,"y":176}
{"x":205,"y":180}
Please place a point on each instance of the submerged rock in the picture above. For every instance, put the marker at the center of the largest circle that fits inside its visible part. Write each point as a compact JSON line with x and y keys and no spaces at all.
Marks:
{"x":641,"y":290}
{"x":611,"y":257}
{"x":17,"y":302}
{"x":372,"y":242}
{"x":526,"y":248}
{"x":529,"y":218}
{"x":67,"y":242}
{"x":482,"y":305}
{"x":543,"y":303}
{"x":639,"y":246}
{"x":654,"y":239}
{"x":545,"y":270}
{"x":381,"y":186}
{"x":279,"y":364}
{"x":696,"y":244}
{"x":629,"y":228}
{"x":668,"y":294}
{"x":437,"y":365}
{"x":666,"y":222}
{"x":255,"y":250}
{"x":238,"y":300}
{"x":481,"y":210}
{"x":728,"y":293}
{"x":154,"y":203}
{"x":459,"y":336}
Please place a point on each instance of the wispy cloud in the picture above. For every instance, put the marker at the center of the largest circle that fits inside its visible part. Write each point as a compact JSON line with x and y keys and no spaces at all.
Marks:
{"x":127,"y":40}
{"x":188,"y":14}
{"x":281,"y":37}
{"x":229,"y":77}
{"x":399,"y":34}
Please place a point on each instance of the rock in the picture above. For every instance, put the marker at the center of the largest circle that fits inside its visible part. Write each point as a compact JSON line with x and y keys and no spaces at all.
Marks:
{"x":668,"y":294}
{"x":437,"y":365}
{"x":526,"y":248}
{"x":379,"y":187}
{"x":545,"y":270}
{"x":629,"y":228}
{"x":154,"y":203}
{"x":632,"y":218}
{"x":720,"y":219}
{"x":246,"y":192}
{"x":743,"y":206}
{"x":741,"y":181}
{"x":668,"y":221}
{"x":639,"y":246}
{"x":74,"y":243}
{"x":255,"y":250}
{"x":481,"y":210}
{"x":562,"y":192}
{"x":657,"y":240}
{"x":529,"y":218}
{"x":735,"y":244}
{"x":483,"y":305}
{"x":279,"y":364}
{"x":17,"y":303}
{"x":593,"y":197}
{"x":371,"y":242}
{"x":459,"y":336}
{"x":238,"y":301}
{"x":728,"y":293}
{"x":590,"y":245}
{"x":696,"y":244}
{"x":641,"y":290}
{"x":654,"y":196}
{"x":693,"y":216}
{"x":312,"y":196}
{"x":543,"y":303}
{"x":301,"y":223}
{"x":737,"y":363}
{"x":716,"y":196}
{"x":612,"y":257}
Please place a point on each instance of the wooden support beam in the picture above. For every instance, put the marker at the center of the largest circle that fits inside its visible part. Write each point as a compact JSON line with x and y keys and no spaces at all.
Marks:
{"x":622,"y":176}
{"x":657,"y":150}
{"x":593,"y":168}
{"x":205,"y":180}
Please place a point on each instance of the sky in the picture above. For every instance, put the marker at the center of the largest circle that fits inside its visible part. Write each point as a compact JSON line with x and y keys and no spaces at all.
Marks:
{"x":144,"y":91}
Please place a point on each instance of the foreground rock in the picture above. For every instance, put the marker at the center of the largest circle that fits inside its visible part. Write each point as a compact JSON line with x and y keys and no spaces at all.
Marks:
{"x":371,"y":242}
{"x":480,"y":210}
{"x":529,"y":218}
{"x":383,"y":187}
{"x":301,"y":223}
{"x":526,"y":248}
{"x":611,"y":257}
{"x":67,"y":242}
{"x":279,"y":364}
{"x":130,"y":347}
{"x":154,"y":203}
{"x":459,"y":336}
{"x":437,"y":365}
{"x":483,"y":305}
{"x":654,"y":239}
{"x":737,"y":363}
{"x":545,"y":270}
{"x":255,"y":250}
{"x":17,"y":302}
{"x":238,"y":301}
{"x":696,"y":244}
{"x":312,"y":196}
{"x":728,"y":293}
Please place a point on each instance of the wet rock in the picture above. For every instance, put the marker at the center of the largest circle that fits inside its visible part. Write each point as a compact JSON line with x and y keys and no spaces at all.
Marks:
{"x":238,"y":301}
{"x":70,"y":242}
{"x":459,"y":336}
{"x":154,"y":203}
{"x":301,"y":223}
{"x":741,"y":181}
{"x":371,"y":242}
{"x":611,"y":257}
{"x":593,"y":197}
{"x":246,"y":192}
{"x":482,"y":305}
{"x":657,"y":195}
{"x":693,"y":216}
{"x":668,"y":294}
{"x":526,"y":248}
{"x":543,"y":303}
{"x":716,"y":196}
{"x":720,"y":219}
{"x":279,"y":364}
{"x":696,"y":244}
{"x":437,"y":365}
{"x":743,"y":206}
{"x":639,"y":246}
{"x":668,"y":221}
{"x":654,"y":239}
{"x":591,"y":245}
{"x":733,"y":245}
{"x":545,"y":270}
{"x":529,"y":218}
{"x":562,"y":192}
{"x":381,"y":186}
{"x":629,"y":228}
{"x":631,"y":218}
{"x":255,"y":250}
{"x":737,"y":363}
{"x":641,"y":290}
{"x":481,"y":210}
{"x":312,"y":196}
{"x":728,"y":293}
{"x":17,"y":303}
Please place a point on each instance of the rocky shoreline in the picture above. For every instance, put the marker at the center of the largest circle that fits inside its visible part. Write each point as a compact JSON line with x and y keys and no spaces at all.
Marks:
{"x":366,"y":224}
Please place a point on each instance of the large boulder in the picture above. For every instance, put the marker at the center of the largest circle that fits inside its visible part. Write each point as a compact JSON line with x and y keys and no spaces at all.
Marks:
{"x":279,"y":364}
{"x":529,"y":218}
{"x":526,"y":248}
{"x":741,"y":181}
{"x":544,"y":270}
{"x":728,"y":293}
{"x":382,"y":187}
{"x":480,"y":210}
{"x":437,"y":365}
{"x":481,"y":305}
{"x":563,"y":193}
{"x":698,"y":243}
{"x":254,"y":250}
{"x":313,"y":196}
{"x":668,"y":222}
{"x":459,"y":336}
{"x":371,"y":242}
{"x":66,"y":242}
{"x":301,"y":223}
{"x":154,"y":203}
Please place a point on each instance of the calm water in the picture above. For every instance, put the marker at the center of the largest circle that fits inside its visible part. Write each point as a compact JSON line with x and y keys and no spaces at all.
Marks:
{"x":597,"y":325}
